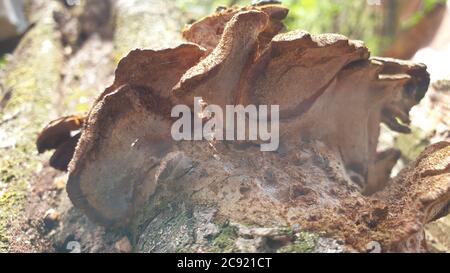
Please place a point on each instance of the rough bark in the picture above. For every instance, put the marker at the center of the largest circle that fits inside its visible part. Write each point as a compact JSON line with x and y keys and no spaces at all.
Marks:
{"x":27,"y":83}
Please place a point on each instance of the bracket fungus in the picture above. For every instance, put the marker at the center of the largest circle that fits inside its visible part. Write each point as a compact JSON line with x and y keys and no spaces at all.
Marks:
{"x":327,"y":175}
{"x":61,"y":135}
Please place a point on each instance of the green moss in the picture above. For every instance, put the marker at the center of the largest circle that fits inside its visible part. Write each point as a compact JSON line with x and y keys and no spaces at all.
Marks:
{"x":2,"y":61}
{"x":185,"y":250}
{"x":412,"y":145}
{"x":32,"y":76}
{"x":305,"y":243}
{"x":224,"y":241}
{"x":11,"y":203}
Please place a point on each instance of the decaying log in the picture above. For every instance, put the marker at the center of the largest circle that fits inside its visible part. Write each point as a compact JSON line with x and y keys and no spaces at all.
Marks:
{"x":327,"y":175}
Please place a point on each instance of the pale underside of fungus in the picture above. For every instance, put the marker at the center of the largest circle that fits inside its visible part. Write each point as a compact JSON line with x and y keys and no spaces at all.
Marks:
{"x":327,"y":175}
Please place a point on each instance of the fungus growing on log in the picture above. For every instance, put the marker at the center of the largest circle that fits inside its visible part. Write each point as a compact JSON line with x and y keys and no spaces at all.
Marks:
{"x":327,"y":175}
{"x":62,"y":135}
{"x":130,"y":119}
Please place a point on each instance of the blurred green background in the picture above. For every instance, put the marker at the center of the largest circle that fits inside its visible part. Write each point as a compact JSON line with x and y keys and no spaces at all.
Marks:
{"x":2,"y":61}
{"x":374,"y":21}
{"x":379,"y":23}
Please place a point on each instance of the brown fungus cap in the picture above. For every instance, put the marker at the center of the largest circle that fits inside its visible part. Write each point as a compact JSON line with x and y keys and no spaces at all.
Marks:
{"x":62,"y":135}
{"x":57,"y":132}
{"x":217,"y":77}
{"x":207,"y":32}
{"x":127,"y":133}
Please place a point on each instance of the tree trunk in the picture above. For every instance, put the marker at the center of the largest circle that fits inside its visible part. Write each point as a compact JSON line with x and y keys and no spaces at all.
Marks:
{"x":207,"y":196}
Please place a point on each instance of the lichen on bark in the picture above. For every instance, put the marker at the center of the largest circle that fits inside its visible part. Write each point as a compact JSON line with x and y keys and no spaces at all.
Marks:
{"x":30,"y":76}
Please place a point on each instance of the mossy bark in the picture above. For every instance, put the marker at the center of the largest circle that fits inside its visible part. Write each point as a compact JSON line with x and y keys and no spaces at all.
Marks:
{"x":30,"y":78}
